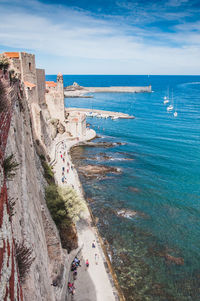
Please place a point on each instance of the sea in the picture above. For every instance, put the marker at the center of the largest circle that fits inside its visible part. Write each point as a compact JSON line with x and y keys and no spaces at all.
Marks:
{"x":149,"y":213}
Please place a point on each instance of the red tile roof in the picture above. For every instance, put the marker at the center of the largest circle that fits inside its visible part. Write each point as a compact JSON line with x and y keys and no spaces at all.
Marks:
{"x":29,"y":85}
{"x":14,"y":55}
{"x":51,"y":84}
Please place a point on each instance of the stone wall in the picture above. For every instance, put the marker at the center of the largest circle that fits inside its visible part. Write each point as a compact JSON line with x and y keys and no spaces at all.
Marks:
{"x":10,"y":288}
{"x":41,"y":85}
{"x":31,"y":222}
{"x":28,"y":68}
{"x":55,"y":99}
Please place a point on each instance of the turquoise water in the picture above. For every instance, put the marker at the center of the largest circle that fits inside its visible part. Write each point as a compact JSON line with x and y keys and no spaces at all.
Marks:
{"x":160,"y":183}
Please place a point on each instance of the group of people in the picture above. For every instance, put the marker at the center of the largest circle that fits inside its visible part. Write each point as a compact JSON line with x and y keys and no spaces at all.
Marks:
{"x":66,"y":168}
{"x":74,"y":268}
{"x":75,"y":264}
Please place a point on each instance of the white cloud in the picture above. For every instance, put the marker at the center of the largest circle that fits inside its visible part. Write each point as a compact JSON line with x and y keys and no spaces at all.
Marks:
{"x":75,"y":34}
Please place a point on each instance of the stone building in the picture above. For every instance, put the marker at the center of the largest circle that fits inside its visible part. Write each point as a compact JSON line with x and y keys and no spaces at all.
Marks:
{"x":55,"y":97}
{"x":45,"y":101}
{"x":76,"y":124}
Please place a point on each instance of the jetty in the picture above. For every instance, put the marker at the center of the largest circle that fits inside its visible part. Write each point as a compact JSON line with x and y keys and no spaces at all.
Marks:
{"x":99,"y":113}
{"x":76,"y":90}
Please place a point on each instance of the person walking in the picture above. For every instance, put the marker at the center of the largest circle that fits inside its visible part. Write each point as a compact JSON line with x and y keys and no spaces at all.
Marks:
{"x":96,"y":258}
{"x":87,"y":263}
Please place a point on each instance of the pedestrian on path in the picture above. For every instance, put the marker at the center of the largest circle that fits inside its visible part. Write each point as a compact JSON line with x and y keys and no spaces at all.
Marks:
{"x":93,"y":244}
{"x":96,"y":258}
{"x":87,"y":263}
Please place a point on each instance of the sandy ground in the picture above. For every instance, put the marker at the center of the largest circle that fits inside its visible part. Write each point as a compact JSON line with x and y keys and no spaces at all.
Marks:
{"x":92,"y":283}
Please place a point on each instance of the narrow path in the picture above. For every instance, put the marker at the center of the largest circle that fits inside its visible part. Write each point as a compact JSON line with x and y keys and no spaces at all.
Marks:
{"x":92,"y":283}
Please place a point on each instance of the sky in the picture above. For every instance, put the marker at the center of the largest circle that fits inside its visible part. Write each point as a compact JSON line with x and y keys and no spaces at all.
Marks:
{"x":105,"y":36}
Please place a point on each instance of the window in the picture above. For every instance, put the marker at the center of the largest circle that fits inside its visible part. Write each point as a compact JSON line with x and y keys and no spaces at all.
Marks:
{"x":29,"y":65}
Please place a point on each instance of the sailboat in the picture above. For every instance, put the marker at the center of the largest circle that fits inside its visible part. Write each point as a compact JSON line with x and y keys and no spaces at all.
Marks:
{"x":166,"y":98}
{"x":175,"y":111}
{"x":170,"y":107}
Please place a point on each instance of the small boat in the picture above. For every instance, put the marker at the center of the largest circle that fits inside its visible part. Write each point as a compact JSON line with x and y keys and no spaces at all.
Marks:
{"x":175,"y":114}
{"x":114,"y":117}
{"x":170,"y":108}
{"x":166,"y":98}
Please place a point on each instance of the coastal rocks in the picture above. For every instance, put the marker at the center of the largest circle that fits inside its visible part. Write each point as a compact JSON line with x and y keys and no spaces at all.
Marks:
{"x":94,"y":171}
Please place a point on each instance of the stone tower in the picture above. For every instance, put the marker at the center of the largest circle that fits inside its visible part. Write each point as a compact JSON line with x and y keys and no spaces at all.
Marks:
{"x":60,"y":79}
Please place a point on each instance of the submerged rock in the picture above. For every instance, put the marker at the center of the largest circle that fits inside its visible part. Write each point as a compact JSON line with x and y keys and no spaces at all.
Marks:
{"x":91,"y":171}
{"x":176,"y":260}
{"x":100,"y":144}
{"x":127,"y":213}
{"x":90,"y":200}
{"x":133,"y":189}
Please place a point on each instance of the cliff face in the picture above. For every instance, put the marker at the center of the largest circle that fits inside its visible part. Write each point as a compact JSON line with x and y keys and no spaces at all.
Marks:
{"x":31,"y":222}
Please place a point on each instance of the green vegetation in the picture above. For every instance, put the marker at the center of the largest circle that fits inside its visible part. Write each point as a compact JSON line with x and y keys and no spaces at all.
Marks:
{"x":73,"y":203}
{"x":10,"y":166}
{"x":24,"y":260}
{"x":4,"y":63}
{"x":48,"y":173}
{"x":65,"y":207}
{"x":56,"y":205}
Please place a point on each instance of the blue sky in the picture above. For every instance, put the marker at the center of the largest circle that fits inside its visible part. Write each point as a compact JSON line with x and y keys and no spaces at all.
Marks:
{"x":105,"y":37}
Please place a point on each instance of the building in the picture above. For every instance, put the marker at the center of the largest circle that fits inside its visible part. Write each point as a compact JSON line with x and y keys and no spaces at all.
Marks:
{"x":55,"y":97}
{"x":76,"y":124}
{"x":44,"y":102}
{"x":45,"y":98}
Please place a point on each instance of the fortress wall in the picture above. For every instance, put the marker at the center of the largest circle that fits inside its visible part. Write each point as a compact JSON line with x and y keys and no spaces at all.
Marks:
{"x":10,"y":288}
{"x":41,"y":87}
{"x":28,"y":68}
{"x":31,"y":221}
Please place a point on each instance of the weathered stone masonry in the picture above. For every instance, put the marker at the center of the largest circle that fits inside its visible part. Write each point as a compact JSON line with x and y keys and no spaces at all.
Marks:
{"x":10,"y":288}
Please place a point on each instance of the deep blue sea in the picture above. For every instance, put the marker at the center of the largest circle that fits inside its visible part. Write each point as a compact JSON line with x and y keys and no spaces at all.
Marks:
{"x":156,"y":252}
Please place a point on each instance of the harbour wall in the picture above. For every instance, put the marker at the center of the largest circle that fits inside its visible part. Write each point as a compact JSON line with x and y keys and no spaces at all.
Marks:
{"x":122,"y":89}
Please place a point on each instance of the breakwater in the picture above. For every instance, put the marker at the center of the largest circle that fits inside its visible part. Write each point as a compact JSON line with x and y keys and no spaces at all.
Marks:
{"x":80,"y":91}
{"x":122,"y":89}
{"x":100,"y":113}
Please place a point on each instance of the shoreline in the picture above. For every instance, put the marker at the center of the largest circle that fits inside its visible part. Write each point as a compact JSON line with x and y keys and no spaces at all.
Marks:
{"x":106,"y":279}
